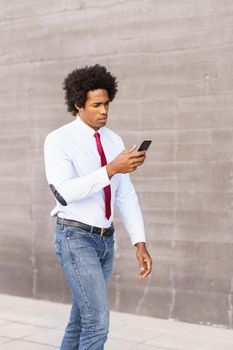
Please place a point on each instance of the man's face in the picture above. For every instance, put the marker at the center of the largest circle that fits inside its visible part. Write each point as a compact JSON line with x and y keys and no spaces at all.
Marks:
{"x":95,"y":112}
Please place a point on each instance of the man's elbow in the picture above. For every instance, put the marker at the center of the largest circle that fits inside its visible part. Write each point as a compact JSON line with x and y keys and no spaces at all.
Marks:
{"x":57,"y":195}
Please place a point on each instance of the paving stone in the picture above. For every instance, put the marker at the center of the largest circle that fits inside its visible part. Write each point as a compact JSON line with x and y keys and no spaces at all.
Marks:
{"x":21,"y":345}
{"x":135,"y":334}
{"x":206,"y":332}
{"x":115,"y":344}
{"x":51,"y":337}
{"x":181,"y":342}
{"x":18,"y":330}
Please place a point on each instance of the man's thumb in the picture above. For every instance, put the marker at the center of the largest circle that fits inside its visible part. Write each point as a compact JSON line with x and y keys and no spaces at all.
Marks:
{"x":130,"y":150}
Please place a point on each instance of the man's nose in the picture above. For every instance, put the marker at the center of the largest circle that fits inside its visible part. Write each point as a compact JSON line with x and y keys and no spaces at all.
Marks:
{"x":103,"y":109}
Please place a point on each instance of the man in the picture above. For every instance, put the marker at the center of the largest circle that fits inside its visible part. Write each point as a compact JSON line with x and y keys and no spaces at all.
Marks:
{"x":87,"y":169}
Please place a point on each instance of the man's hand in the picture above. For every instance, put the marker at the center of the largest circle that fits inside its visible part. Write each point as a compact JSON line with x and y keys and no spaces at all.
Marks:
{"x":144,"y":260}
{"x":126,"y":162}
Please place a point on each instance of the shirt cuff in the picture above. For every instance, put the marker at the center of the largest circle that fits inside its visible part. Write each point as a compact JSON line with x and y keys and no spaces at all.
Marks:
{"x":136,"y":238}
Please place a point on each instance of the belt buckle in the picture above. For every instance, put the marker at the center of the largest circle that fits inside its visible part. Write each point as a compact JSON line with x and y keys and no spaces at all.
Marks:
{"x":102,"y":232}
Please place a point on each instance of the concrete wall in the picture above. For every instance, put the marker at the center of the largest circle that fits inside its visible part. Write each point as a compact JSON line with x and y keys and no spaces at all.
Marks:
{"x":174,"y":62}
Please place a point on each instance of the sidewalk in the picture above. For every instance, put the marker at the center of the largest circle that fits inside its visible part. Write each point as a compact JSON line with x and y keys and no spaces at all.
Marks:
{"x":27,"y":324}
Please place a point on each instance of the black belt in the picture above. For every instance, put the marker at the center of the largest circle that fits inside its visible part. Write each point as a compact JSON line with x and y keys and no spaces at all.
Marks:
{"x":93,"y":229}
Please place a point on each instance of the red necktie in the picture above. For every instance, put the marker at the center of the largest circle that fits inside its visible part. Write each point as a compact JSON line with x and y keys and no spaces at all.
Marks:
{"x":107,"y":189}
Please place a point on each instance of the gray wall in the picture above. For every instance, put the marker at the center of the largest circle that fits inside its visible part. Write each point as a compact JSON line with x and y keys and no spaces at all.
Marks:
{"x":174,"y":62}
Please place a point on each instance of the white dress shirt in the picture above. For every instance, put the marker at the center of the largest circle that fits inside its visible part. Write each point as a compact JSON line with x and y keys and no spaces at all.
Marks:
{"x":73,"y":167}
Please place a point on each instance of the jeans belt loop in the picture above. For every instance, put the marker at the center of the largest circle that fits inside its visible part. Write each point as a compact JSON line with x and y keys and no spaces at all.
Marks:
{"x":62,"y":224}
{"x":102,"y":231}
{"x":92,"y":228}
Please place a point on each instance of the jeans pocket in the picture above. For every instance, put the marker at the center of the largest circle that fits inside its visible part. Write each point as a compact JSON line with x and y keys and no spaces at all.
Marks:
{"x":74,"y":233}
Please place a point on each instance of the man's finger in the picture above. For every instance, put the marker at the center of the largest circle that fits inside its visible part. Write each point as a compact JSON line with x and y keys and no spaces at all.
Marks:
{"x":149,"y":264}
{"x":130,"y":150}
{"x":138,"y":162}
{"x":142,"y":267}
{"x":143,"y":273}
{"x":145,"y":268}
{"x":139,"y":154}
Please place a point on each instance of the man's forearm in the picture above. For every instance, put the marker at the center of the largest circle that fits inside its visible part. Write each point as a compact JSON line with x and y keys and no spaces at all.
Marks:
{"x":110,"y":169}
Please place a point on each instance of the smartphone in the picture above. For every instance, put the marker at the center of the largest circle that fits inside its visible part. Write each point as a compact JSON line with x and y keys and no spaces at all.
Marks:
{"x":144,"y":145}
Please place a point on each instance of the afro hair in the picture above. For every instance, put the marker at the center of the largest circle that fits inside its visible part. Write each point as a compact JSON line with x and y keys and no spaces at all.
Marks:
{"x":80,"y":81}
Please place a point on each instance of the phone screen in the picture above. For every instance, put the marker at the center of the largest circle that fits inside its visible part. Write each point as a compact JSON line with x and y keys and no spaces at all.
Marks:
{"x":144,"y":145}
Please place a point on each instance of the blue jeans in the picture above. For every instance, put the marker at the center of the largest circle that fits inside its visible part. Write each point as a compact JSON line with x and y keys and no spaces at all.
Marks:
{"x":87,"y":262}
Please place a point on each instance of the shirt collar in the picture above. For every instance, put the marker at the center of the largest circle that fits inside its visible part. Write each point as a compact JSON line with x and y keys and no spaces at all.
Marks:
{"x":86,"y":128}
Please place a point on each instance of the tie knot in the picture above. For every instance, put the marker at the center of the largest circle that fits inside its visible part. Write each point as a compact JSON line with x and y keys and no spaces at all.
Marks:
{"x":100,"y":148}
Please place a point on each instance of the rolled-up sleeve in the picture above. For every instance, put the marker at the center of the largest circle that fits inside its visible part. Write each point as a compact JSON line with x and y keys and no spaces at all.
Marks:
{"x":61,"y":174}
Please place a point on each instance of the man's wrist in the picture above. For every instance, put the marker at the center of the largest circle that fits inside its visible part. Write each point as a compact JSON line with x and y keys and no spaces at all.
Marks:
{"x":140,"y":245}
{"x":110,"y":170}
